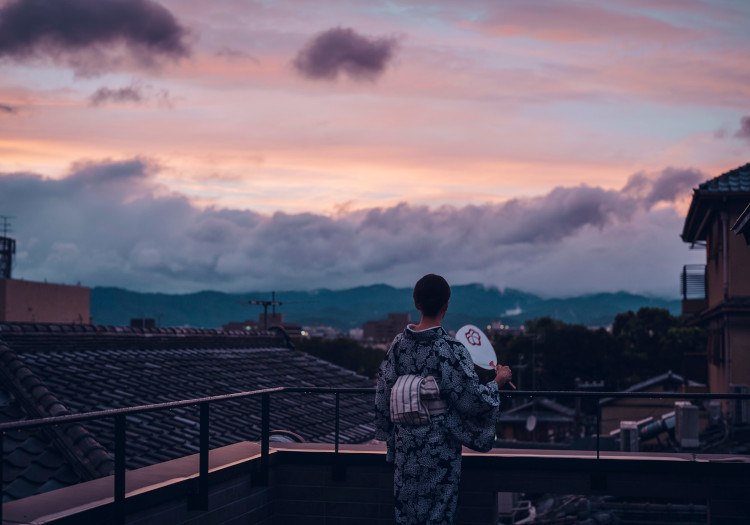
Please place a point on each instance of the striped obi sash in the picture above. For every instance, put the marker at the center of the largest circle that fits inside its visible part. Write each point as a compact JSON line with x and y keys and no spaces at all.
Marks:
{"x":414,"y":399}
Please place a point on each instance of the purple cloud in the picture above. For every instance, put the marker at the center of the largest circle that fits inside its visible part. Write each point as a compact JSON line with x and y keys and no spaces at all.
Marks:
{"x":8,"y":110}
{"x":133,"y":94}
{"x":88,"y":34}
{"x":744,"y":131}
{"x":110,"y":223}
{"x":127,"y":94}
{"x":343,"y":51}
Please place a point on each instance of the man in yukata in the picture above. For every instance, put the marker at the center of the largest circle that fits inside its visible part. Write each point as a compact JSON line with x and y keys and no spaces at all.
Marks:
{"x":427,"y":456}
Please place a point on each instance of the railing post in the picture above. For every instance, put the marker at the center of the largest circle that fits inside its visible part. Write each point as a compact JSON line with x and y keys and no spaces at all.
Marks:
{"x":336,"y":436}
{"x":265,"y":431}
{"x":598,"y":426}
{"x":598,"y":476}
{"x":200,"y":500}
{"x":2,"y":473}
{"x":339,"y":472}
{"x":119,"y":507}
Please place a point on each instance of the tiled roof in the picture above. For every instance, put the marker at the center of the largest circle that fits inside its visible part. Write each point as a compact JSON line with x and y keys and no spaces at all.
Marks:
{"x":732,"y":181}
{"x":669,"y":380}
{"x":85,"y":370}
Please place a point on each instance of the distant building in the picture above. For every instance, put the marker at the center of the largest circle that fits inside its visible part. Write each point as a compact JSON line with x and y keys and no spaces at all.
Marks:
{"x":34,"y":302}
{"x":266,"y":321}
{"x":385,"y":330}
{"x":539,"y":420}
{"x":500,"y":328}
{"x":145,"y":323}
{"x":614,"y":410}
{"x":717,"y":295}
{"x":320,"y":332}
{"x":247,"y":326}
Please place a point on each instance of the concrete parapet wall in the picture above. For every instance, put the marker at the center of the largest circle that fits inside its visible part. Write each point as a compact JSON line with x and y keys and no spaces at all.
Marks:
{"x":310,"y":484}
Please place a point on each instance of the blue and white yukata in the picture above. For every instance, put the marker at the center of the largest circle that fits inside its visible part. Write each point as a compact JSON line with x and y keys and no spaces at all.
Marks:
{"x":427,"y":458}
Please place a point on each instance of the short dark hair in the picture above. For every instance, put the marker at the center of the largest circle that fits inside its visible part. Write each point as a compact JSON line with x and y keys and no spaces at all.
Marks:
{"x":430,"y":294}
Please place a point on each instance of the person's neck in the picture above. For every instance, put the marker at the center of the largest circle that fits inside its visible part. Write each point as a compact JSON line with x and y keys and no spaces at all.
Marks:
{"x":428,"y":322}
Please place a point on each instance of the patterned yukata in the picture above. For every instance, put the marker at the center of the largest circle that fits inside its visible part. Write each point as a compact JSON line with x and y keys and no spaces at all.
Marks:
{"x":427,"y":458}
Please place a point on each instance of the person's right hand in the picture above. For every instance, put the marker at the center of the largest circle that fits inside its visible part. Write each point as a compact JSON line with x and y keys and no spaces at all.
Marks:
{"x":503,"y":374}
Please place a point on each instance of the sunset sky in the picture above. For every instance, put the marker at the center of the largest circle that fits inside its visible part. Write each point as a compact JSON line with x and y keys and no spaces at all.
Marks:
{"x":237,"y":145}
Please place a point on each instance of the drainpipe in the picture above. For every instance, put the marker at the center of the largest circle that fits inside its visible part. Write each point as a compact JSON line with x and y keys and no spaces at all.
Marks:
{"x":725,"y":256}
{"x":725,"y":252}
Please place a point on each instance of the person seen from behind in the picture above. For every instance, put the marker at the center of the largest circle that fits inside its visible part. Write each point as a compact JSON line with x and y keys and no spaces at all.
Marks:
{"x":428,"y":403}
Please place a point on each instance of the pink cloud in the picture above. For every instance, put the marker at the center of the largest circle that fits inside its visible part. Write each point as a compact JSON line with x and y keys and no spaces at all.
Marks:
{"x":568,"y":23}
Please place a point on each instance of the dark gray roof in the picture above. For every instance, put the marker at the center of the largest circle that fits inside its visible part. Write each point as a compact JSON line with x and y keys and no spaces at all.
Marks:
{"x":542,"y":408}
{"x":668,"y":380}
{"x":59,"y":370}
{"x":732,"y":181}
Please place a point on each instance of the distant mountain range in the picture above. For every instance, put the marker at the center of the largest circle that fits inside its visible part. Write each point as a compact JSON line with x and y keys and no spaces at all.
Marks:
{"x":345,"y":309}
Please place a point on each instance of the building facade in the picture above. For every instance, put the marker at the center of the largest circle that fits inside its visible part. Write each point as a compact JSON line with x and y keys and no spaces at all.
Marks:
{"x":34,"y":302}
{"x":724,"y":308}
{"x":385,"y":330}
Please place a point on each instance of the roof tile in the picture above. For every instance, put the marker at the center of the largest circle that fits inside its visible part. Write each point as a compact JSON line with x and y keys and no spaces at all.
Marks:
{"x":737,"y":180}
{"x":110,"y":367}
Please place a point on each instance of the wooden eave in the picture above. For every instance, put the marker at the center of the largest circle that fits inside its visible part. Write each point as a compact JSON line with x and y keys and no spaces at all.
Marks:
{"x":702,"y":208}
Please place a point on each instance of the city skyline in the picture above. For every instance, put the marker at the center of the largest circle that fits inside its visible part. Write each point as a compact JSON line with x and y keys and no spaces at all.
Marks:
{"x":545,"y":146}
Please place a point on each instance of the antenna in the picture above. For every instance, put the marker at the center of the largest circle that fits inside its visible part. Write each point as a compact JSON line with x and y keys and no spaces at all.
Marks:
{"x":7,"y":248}
{"x":6,"y":224}
{"x":265,"y":304}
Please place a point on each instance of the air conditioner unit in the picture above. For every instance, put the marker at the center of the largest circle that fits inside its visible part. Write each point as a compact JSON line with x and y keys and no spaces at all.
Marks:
{"x":739,"y":406}
{"x":506,"y":502}
{"x":686,"y":424}
{"x":629,"y":435}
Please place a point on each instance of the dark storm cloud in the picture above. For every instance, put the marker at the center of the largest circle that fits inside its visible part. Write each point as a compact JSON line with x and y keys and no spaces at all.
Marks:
{"x":110,"y":223}
{"x":8,"y":110}
{"x":343,"y":51}
{"x":744,"y":131}
{"x":86,"y":33}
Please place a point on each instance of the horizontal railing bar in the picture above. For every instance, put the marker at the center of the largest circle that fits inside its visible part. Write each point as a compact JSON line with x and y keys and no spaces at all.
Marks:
{"x":328,"y":390}
{"x":101,"y":414}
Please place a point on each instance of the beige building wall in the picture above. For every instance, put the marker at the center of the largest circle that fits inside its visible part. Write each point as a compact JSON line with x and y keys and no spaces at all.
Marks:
{"x":738,"y":260}
{"x":739,"y":348}
{"x":33,"y":302}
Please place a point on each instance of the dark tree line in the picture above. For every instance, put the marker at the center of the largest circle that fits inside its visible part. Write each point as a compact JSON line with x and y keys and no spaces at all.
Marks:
{"x":639,"y":346}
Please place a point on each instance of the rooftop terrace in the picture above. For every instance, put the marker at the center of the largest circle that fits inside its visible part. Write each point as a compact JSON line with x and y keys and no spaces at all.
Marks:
{"x":105,"y":425}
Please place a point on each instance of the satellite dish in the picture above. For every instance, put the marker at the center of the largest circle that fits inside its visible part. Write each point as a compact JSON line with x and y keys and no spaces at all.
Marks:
{"x":531,"y":422}
{"x":478,"y":345}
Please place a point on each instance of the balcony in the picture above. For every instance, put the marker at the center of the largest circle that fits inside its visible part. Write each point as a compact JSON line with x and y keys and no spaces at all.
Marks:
{"x":693,"y":288}
{"x":272,"y":482}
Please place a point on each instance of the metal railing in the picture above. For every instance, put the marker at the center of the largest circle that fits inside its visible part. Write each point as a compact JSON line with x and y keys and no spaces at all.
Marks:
{"x":693,"y":282}
{"x":200,"y":499}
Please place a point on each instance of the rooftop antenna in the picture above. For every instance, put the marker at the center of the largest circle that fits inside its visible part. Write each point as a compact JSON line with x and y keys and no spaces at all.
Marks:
{"x":7,"y":248}
{"x":265,"y":304}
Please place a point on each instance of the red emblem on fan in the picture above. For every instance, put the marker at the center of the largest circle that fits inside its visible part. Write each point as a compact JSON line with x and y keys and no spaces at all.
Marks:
{"x":473,"y":337}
